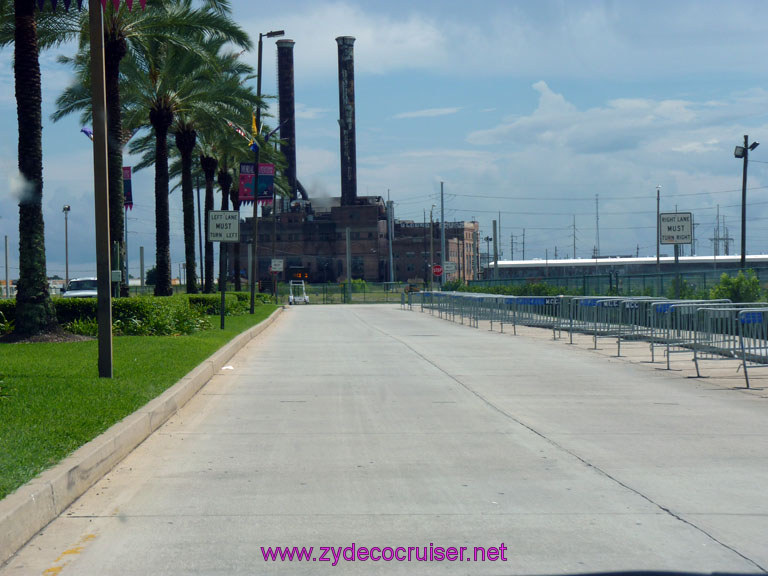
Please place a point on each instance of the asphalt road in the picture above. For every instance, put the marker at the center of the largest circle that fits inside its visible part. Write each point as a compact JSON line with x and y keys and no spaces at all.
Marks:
{"x":377,"y":427}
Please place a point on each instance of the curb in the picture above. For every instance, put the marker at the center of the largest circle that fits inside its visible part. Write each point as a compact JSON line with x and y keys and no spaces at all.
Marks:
{"x":34,"y":505}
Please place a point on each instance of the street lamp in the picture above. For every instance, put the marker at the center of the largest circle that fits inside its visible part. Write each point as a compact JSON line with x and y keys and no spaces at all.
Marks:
{"x":66,"y":244}
{"x":743,"y":152}
{"x":254,"y":223}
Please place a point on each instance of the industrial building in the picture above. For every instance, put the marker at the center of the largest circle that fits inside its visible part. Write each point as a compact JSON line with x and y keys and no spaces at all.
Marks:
{"x":309,"y":234}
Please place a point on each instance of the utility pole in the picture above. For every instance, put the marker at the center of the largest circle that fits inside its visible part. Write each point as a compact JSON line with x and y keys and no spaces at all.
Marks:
{"x":141,"y":265}
{"x":431,"y":251}
{"x":574,"y":236}
{"x":424,"y":247}
{"x":390,"y":233}
{"x":501,"y":249}
{"x":495,"y":253}
{"x":597,"y":226}
{"x":658,"y":240}
{"x":442,"y":233}
{"x":512,"y":246}
{"x":523,"y":243}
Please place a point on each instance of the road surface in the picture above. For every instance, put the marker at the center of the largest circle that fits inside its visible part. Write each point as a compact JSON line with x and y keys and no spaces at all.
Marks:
{"x":376,"y":427}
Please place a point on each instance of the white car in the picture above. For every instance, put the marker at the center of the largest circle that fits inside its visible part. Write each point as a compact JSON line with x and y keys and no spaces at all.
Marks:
{"x":81,"y":288}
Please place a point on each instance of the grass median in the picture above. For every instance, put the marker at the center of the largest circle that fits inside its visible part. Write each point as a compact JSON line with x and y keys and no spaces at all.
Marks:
{"x":52,"y":400}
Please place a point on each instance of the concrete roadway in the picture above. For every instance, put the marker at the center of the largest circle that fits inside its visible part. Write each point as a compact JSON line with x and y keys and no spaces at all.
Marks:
{"x":381,"y":427}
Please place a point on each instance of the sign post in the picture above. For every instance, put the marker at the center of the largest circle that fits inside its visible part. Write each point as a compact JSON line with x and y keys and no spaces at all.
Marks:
{"x":223,"y":226}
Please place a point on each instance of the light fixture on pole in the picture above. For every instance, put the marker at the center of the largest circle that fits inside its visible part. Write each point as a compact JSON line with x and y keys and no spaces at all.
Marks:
{"x":254,"y":223}
{"x":66,"y":210}
{"x":743,"y":152}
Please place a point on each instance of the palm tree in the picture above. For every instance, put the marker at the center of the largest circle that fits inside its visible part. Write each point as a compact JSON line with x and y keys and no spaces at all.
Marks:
{"x":173,"y":22}
{"x":220,"y":92}
{"x":211,"y":89}
{"x":34,"y":309}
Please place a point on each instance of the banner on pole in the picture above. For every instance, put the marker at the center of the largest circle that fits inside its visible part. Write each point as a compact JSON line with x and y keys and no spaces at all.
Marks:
{"x":127,"y":188}
{"x":266,"y":183}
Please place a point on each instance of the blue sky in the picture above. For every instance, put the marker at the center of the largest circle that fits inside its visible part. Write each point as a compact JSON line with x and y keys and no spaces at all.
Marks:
{"x":525,"y":108}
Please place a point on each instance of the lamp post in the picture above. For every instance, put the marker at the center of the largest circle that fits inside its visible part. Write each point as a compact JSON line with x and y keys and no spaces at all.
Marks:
{"x":66,"y":210}
{"x":254,"y":222}
{"x":743,"y":152}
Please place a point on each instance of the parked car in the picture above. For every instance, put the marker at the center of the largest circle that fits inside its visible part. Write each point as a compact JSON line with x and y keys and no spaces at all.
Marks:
{"x":80,"y":288}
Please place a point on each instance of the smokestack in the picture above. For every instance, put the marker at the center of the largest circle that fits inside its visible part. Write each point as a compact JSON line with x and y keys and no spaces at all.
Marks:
{"x":287,"y":110}
{"x":347,"y":120}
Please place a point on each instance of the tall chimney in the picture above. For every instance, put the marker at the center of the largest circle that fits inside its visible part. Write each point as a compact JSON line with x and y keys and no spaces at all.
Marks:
{"x":347,"y":120}
{"x":287,"y":110}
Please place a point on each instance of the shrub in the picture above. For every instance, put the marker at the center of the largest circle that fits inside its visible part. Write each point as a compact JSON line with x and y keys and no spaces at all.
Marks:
{"x":8,"y":309}
{"x":84,"y":327}
{"x":742,"y":288}
{"x":69,"y":309}
{"x":6,"y":326}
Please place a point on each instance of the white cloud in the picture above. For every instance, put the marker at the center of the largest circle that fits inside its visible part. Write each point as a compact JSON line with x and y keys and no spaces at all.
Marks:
{"x":306,"y":112}
{"x":428,"y":113}
{"x":574,"y":39}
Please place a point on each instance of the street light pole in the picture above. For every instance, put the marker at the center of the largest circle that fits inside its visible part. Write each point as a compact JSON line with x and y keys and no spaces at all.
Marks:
{"x":658,"y":239}
{"x":743,"y":152}
{"x":254,"y":222}
{"x":66,"y":210}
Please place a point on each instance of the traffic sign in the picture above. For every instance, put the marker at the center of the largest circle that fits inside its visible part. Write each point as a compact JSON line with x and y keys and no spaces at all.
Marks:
{"x":223,"y":226}
{"x":676,"y":228}
{"x":449,"y":267}
{"x":437,"y":270}
{"x":277,"y":265}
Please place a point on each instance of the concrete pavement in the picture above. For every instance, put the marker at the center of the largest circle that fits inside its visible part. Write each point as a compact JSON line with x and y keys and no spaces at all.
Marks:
{"x":386,"y":428}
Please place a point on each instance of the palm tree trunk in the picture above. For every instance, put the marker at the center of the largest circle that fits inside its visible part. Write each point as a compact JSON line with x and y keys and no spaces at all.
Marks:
{"x":185,"y":142}
{"x":235,"y":197}
{"x":208,"y":165}
{"x":34,"y":309}
{"x":161,"y":120}
{"x":114,"y":50}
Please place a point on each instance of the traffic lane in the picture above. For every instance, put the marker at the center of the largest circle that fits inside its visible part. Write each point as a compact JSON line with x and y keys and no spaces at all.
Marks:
{"x":699,"y":450}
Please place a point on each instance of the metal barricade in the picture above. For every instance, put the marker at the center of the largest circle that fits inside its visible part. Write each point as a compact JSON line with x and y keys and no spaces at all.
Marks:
{"x":718,"y":331}
{"x":753,"y":339}
{"x":534,"y":311}
{"x":672,"y":325}
{"x":635,"y":320}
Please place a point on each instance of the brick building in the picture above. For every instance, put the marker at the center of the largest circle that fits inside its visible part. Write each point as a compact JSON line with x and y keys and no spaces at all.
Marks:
{"x":311,"y":237}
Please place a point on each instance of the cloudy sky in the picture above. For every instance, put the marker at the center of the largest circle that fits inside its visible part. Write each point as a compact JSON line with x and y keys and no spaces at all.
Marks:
{"x":527,"y":111}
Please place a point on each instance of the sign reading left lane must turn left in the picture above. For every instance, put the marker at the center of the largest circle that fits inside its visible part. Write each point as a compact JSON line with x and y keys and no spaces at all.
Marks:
{"x":223,"y":226}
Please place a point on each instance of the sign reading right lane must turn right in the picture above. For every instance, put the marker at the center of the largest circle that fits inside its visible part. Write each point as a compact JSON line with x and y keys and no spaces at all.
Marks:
{"x":676,"y":227}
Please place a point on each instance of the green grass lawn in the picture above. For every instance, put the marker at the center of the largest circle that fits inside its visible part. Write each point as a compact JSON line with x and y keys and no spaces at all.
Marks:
{"x":52,"y":400}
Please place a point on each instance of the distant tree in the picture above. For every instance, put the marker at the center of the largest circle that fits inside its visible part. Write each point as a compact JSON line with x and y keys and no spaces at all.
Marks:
{"x":151,"y":276}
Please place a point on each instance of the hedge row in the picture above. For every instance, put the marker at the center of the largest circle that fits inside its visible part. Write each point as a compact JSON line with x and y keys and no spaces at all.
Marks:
{"x":182,"y":313}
